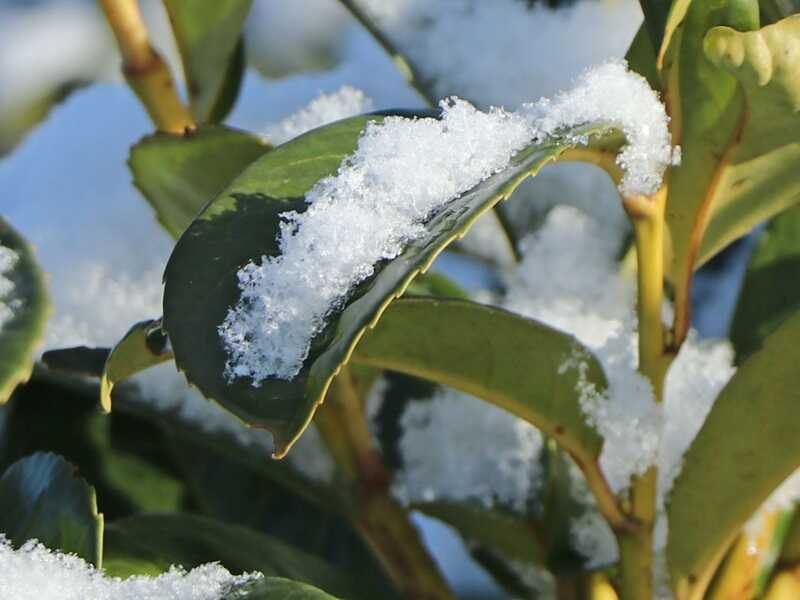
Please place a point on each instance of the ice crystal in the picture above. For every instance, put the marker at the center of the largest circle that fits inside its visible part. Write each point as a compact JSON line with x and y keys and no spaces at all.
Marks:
{"x":33,"y":572}
{"x":402,"y":172}
{"x":345,"y":102}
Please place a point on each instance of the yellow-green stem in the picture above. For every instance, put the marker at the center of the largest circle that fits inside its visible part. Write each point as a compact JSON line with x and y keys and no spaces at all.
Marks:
{"x":383,"y":524}
{"x":145,"y":71}
{"x":636,"y":544}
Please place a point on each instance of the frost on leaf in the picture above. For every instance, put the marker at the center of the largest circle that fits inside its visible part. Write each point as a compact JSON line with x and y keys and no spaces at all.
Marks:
{"x":33,"y":572}
{"x":402,"y":172}
{"x":8,"y":260}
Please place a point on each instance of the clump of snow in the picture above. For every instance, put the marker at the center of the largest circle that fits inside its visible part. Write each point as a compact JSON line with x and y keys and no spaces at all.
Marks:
{"x":35,"y":573}
{"x":456,"y":447}
{"x":345,"y":102}
{"x":8,"y":260}
{"x":612,"y":95}
{"x":503,"y":52}
{"x":402,"y":172}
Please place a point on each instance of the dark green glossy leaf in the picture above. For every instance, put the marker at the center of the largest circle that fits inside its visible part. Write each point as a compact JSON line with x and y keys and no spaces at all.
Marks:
{"x":22,"y":332}
{"x":144,"y":346}
{"x":507,"y":360}
{"x":208,"y":34}
{"x":655,"y":20}
{"x":747,"y":446}
{"x":178,"y":175}
{"x":243,"y":222}
{"x":181,"y":539}
{"x":641,"y":57}
{"x":771,"y":289}
{"x":42,"y":497}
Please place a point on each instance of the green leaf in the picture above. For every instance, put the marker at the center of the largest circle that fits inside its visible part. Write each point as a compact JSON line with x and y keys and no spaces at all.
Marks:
{"x":22,"y":333}
{"x":278,"y":588}
{"x":641,"y":57}
{"x":747,"y":446}
{"x":144,"y":346}
{"x":771,"y":289}
{"x":505,"y":359}
{"x":187,"y":540}
{"x":655,"y":20}
{"x":759,"y":176}
{"x":775,"y":10}
{"x":243,"y":222}
{"x":208,"y":37}
{"x":706,"y":106}
{"x":178,"y":175}
{"x":41,"y":497}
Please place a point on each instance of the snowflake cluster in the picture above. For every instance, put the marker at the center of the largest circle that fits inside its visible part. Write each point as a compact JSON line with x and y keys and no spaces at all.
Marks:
{"x":34,"y":572}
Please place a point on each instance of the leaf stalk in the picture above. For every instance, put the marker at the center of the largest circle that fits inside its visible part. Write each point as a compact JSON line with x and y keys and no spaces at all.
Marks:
{"x":145,"y":71}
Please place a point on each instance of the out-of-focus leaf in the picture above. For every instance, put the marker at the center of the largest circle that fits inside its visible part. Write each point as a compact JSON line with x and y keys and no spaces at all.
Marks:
{"x":24,"y":307}
{"x":208,"y":37}
{"x":244,"y":222}
{"x":42,"y":497}
{"x":757,"y":177}
{"x":641,"y":58}
{"x":178,"y":175}
{"x":278,"y":588}
{"x":747,"y":446}
{"x":706,"y":106}
{"x":773,"y":11}
{"x":771,"y":289}
{"x":181,"y":539}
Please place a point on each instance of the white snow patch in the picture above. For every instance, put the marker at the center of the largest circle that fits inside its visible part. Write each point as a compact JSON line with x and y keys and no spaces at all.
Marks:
{"x":345,"y":102}
{"x":35,"y":573}
{"x":501,"y":52}
{"x":402,"y":172}
{"x":457,"y":447}
{"x":8,"y":260}
{"x":610,"y":94}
